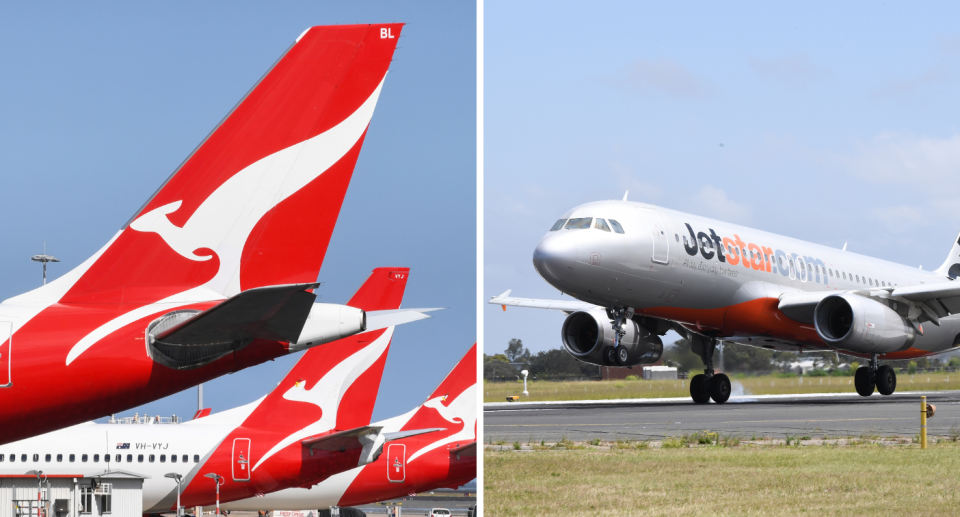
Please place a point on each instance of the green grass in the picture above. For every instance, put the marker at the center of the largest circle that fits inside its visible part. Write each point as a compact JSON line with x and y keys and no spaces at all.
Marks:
{"x":771,"y":480}
{"x":763,"y":385}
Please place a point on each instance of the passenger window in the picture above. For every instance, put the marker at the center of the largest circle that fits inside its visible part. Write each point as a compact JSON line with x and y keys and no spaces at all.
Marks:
{"x":46,"y":457}
{"x":13,"y":458}
{"x":163,"y":458}
{"x":602,"y":225}
{"x":173,"y":458}
{"x":831,"y":272}
{"x":96,"y":458}
{"x":36,"y":457}
{"x":858,"y":278}
{"x":119,"y":458}
{"x":580,"y":223}
{"x":1,"y":458}
{"x":59,"y":458}
{"x":196,"y":458}
{"x":677,"y":236}
{"x":616,"y":226}
{"x":185,"y":458}
{"x":106,"y":458}
{"x":129,"y":458}
{"x":83,"y":458}
{"x":139,"y":458}
{"x":557,"y":225}
{"x":23,"y":457}
{"x":151,"y":458}
{"x":73,"y":458}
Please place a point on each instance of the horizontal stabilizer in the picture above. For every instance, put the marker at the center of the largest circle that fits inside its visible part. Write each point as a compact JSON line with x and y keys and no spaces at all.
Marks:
{"x":469,"y":449}
{"x":391,"y":318}
{"x":341,"y":440}
{"x":276,"y":313}
{"x":389,"y":437}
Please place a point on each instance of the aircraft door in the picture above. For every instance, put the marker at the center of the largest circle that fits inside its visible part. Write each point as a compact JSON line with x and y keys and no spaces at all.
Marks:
{"x":661,"y":240}
{"x":396,"y":462}
{"x":241,"y":459}
{"x":6,"y":357}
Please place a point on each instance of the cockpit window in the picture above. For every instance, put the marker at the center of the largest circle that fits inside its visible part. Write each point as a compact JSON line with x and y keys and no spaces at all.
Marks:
{"x":580,"y":223}
{"x":557,"y":225}
{"x":601,"y":225}
{"x":616,"y":226}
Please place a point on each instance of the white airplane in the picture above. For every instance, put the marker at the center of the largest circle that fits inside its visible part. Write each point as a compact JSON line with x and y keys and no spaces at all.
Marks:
{"x":641,"y":270}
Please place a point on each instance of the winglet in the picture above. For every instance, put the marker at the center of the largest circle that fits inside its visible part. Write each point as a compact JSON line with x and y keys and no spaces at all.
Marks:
{"x":625,"y":194}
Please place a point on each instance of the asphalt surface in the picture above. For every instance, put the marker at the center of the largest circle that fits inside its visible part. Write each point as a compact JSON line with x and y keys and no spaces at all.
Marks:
{"x":770,"y":416}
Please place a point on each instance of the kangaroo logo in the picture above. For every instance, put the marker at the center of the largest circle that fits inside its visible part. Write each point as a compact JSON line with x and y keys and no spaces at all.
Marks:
{"x":225,"y":219}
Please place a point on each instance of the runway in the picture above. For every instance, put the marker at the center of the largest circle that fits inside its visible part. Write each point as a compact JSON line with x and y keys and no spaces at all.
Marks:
{"x":835,"y":415}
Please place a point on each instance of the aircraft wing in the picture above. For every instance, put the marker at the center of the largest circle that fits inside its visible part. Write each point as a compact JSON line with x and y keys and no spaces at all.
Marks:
{"x":933,"y":301}
{"x":566,"y":306}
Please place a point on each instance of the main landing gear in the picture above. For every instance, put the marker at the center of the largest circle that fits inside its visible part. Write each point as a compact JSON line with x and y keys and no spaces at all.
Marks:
{"x":618,"y":355}
{"x":708,"y":385}
{"x":883,"y":378}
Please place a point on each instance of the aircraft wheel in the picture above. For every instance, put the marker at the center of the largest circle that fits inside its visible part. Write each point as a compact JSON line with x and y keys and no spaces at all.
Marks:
{"x":720,"y":388}
{"x":886,"y":380}
{"x":699,"y":389}
{"x":609,"y":356}
{"x":862,"y":381}
{"x":623,"y":356}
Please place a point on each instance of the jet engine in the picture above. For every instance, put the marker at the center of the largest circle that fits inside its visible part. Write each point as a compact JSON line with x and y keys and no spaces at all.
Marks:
{"x":586,"y":335}
{"x":851,"y":322}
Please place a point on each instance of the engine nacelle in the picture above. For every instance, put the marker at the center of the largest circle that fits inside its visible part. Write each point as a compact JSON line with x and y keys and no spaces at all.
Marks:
{"x":851,"y":322}
{"x":329,"y":322}
{"x":587,"y":334}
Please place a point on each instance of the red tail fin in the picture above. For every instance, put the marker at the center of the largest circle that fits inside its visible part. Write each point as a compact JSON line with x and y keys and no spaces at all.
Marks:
{"x":336,"y":384}
{"x":266,"y":183}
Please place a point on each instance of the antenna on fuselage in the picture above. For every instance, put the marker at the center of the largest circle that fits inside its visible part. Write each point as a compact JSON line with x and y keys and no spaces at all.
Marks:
{"x":844,"y":247}
{"x":625,"y":195}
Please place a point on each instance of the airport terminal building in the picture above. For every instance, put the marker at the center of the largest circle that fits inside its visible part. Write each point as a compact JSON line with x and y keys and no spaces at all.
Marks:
{"x":115,"y":493}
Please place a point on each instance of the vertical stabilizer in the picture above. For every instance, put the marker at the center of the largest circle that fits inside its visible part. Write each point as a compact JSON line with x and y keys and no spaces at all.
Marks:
{"x":951,"y":266}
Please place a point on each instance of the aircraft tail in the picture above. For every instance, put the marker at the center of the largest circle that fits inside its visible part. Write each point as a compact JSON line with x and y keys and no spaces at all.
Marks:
{"x":256,"y":203}
{"x":452,"y":406}
{"x":951,"y":266}
{"x":334,"y":386}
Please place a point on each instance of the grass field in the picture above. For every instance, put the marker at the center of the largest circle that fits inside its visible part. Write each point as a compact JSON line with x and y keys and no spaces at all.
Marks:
{"x":744,"y":480}
{"x":763,"y":385}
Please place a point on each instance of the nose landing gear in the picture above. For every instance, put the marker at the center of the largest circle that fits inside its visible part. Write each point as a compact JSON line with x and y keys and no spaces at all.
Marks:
{"x":708,"y":385}
{"x":618,"y":355}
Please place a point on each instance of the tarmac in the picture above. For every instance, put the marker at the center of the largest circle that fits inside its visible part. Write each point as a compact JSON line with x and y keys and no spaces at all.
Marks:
{"x":833,"y":414}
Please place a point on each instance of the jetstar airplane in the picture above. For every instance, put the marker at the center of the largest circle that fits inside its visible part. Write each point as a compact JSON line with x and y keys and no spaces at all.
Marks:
{"x":201,"y":282}
{"x":641,"y":270}
{"x":315,"y":423}
{"x":414,"y":464}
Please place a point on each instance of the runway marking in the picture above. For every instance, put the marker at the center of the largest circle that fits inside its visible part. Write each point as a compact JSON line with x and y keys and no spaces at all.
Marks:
{"x":485,"y":425}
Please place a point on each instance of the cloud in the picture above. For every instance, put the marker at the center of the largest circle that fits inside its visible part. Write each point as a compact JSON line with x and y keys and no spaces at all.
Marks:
{"x":940,"y":73}
{"x":900,"y":219}
{"x":795,"y":71}
{"x":627,"y":181}
{"x":894,"y":157}
{"x":713,"y":202}
{"x":663,"y":76}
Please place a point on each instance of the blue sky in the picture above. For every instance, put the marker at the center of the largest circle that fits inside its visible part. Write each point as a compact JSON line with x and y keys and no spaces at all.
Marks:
{"x":101,"y":102}
{"x":838,"y":123}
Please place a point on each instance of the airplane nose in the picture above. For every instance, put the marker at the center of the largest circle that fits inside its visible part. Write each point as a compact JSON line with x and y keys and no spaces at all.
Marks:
{"x":555,"y":258}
